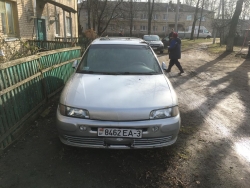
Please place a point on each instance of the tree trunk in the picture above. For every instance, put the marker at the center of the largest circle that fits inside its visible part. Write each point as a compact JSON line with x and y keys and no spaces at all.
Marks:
{"x":200,"y":19}
{"x":80,"y":28}
{"x":89,"y":11}
{"x":150,"y":13}
{"x":222,"y":38}
{"x":131,"y":17}
{"x":149,"y":17}
{"x":233,"y":26}
{"x":195,"y":18}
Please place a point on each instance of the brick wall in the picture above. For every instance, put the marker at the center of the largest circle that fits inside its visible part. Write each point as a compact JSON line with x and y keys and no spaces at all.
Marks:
{"x":24,"y":18}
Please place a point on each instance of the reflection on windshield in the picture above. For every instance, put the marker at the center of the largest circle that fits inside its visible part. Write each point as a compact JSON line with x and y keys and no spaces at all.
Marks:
{"x":119,"y":60}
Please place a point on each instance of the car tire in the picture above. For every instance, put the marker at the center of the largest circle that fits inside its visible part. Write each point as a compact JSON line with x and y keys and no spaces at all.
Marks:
{"x":161,"y":51}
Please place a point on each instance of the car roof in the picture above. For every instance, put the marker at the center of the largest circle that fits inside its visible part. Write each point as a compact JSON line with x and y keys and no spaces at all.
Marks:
{"x":120,"y":40}
{"x":151,"y":35}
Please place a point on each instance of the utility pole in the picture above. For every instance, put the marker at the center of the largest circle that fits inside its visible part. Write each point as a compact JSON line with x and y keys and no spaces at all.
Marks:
{"x":177,"y":15}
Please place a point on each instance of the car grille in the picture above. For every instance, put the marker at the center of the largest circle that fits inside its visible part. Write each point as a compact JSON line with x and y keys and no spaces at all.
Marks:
{"x":154,"y":45}
{"x":151,"y":141}
{"x":95,"y":141}
{"x":85,"y":140}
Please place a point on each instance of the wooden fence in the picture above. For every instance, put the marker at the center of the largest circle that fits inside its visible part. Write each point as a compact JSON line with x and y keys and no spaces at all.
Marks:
{"x":50,"y":45}
{"x":27,"y":83}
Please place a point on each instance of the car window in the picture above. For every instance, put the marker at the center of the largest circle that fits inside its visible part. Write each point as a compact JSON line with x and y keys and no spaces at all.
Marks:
{"x":151,"y":37}
{"x":119,"y":59}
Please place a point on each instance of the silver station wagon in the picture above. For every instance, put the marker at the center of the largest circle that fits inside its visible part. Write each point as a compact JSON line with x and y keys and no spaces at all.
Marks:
{"x":118,"y":98}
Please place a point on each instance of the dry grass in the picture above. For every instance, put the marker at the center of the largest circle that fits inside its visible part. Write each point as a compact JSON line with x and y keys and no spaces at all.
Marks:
{"x":216,"y":48}
{"x":208,"y":44}
{"x":188,"y":44}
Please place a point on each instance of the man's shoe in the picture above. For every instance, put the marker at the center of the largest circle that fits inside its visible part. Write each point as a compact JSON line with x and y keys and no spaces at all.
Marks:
{"x":181,"y":72}
{"x":168,"y":70}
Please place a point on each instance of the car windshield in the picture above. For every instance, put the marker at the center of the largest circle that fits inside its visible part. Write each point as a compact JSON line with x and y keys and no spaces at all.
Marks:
{"x":119,"y":59}
{"x":151,"y":37}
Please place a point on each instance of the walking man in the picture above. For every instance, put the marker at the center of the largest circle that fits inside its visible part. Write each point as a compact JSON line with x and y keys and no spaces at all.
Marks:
{"x":175,"y":53}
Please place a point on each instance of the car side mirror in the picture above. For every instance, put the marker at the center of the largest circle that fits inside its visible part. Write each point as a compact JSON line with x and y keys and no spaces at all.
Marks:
{"x":75,"y":63}
{"x":164,"y":66}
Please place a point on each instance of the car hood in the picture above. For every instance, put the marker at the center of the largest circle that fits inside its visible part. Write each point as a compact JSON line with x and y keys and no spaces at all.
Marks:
{"x":118,"y":97}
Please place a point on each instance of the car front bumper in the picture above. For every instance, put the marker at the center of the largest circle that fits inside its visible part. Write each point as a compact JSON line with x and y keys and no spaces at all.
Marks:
{"x":70,"y":133}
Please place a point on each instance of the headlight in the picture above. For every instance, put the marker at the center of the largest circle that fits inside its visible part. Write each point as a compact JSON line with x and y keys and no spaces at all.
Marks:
{"x":73,"y":112}
{"x":164,"y":113}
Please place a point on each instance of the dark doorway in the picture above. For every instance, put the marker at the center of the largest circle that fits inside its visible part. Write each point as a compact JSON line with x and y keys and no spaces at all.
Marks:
{"x":41,"y":29}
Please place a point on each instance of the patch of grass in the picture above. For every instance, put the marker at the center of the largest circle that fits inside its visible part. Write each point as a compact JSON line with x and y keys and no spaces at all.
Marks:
{"x":216,"y":48}
{"x":188,"y":44}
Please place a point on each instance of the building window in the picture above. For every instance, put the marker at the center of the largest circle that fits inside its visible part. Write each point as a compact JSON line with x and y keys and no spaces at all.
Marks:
{"x":7,"y":18}
{"x":155,"y":16}
{"x":111,"y":27}
{"x":144,"y":28}
{"x":121,"y":16}
{"x":154,"y":28}
{"x":189,"y":17}
{"x":144,"y":16}
{"x":164,"y":16}
{"x":202,"y":19}
{"x":133,"y":28}
{"x":164,"y":28}
{"x":57,"y":25}
{"x":68,"y":26}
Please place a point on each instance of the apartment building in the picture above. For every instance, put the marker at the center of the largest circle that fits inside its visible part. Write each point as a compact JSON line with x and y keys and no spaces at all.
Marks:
{"x":135,"y":17}
{"x":38,"y":19}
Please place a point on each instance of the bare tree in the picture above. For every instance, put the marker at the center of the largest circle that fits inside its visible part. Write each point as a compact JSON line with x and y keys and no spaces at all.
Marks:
{"x":233,"y":26}
{"x":106,"y":12}
{"x":89,"y":13}
{"x":100,"y":13}
{"x":246,"y":11}
{"x":200,"y":19}
{"x":190,"y":2}
{"x":79,"y":8}
{"x":130,"y":10}
{"x":195,"y":19}
{"x":150,"y":13}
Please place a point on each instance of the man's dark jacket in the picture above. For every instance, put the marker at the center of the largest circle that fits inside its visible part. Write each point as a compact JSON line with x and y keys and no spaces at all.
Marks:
{"x":175,"y":49}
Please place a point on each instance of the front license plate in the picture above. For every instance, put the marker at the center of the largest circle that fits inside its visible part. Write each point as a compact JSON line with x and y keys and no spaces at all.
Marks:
{"x":129,"y":133}
{"x":154,"y":48}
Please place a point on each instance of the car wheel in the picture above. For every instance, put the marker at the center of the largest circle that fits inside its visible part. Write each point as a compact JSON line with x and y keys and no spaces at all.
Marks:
{"x":161,"y":51}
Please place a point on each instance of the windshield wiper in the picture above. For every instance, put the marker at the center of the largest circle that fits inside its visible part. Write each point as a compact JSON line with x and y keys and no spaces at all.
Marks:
{"x":96,"y":72}
{"x":139,"y":73}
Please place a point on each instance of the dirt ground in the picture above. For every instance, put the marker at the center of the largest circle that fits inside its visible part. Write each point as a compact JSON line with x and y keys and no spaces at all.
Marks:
{"x":212,"y":150}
